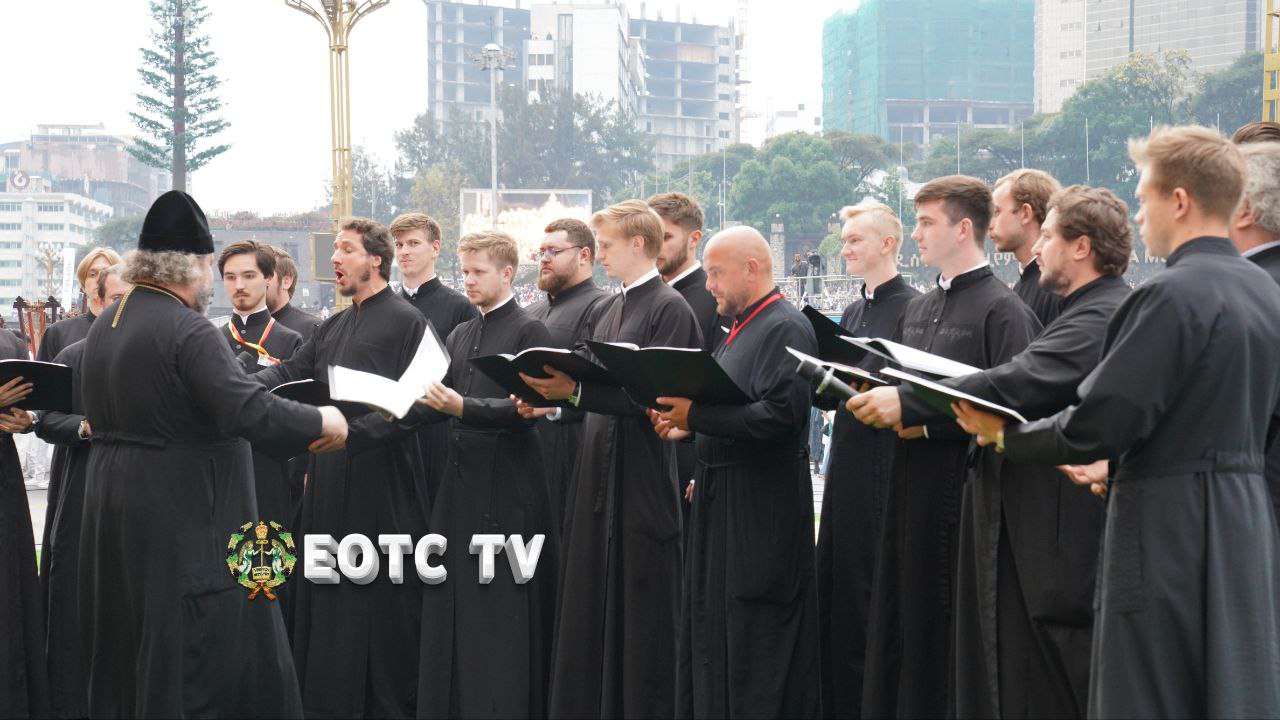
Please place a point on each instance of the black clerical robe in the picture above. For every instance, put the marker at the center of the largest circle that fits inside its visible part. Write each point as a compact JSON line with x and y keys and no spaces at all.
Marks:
{"x":852,"y":506}
{"x":278,"y":488}
{"x":165,"y":629}
{"x":1269,"y":260}
{"x":445,"y":308}
{"x":614,"y":650}
{"x":24,"y":689}
{"x":1029,"y":538}
{"x":299,"y":321}
{"x":1187,"y":620}
{"x":57,"y":337}
{"x":356,"y":646}
{"x":486,"y":648}
{"x":980,"y":322}
{"x":1044,"y":304}
{"x":693,"y":288}
{"x":60,"y":553}
{"x":749,"y":626}
{"x":569,"y":318}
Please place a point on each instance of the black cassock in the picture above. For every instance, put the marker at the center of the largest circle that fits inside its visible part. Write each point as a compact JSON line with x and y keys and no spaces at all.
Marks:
{"x":56,"y":338}
{"x":446,"y":309}
{"x":980,"y":322}
{"x":24,"y":688}
{"x":1043,"y":303}
{"x":1029,"y":539}
{"x":299,"y":321}
{"x":1187,"y":619}
{"x":486,"y":647}
{"x":60,"y":553}
{"x":356,"y":646}
{"x":165,"y":629}
{"x":749,"y":615}
{"x":852,"y":509}
{"x":693,"y":288}
{"x":569,"y":318}
{"x":1269,"y":260}
{"x":614,"y":650}
{"x":279,"y":490}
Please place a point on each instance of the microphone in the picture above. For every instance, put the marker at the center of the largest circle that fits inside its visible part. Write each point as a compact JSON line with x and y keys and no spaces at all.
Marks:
{"x":822,"y":379}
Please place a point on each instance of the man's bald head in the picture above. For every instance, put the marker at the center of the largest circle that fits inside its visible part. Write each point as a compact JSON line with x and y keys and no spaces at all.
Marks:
{"x":739,"y":268}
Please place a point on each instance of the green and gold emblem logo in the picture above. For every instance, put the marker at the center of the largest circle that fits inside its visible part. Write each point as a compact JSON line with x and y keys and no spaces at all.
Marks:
{"x":261,"y":557}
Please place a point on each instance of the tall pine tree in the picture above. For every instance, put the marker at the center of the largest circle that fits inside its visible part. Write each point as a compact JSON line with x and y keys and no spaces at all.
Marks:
{"x":180,"y":109}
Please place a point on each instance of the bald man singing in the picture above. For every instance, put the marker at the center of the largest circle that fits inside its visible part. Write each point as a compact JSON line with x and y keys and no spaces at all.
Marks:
{"x":748,"y":636}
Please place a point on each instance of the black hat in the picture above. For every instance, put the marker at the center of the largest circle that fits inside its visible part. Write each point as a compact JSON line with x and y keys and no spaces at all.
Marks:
{"x":175,"y":223}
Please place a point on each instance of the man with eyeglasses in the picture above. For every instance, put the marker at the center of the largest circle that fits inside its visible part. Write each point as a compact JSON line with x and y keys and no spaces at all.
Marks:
{"x":565,"y":258}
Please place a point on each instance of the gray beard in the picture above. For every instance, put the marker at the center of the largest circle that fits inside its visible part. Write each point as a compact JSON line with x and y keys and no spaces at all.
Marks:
{"x":203,"y":299}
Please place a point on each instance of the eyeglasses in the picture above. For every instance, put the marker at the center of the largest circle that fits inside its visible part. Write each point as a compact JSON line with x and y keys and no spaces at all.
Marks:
{"x":550,"y":253}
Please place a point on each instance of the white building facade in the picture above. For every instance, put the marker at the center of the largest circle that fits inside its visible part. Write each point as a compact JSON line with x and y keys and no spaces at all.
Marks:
{"x":34,"y":223}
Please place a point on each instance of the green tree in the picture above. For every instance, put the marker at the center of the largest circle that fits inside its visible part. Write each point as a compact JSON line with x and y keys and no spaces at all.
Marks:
{"x":179,"y":110}
{"x":858,"y":156}
{"x":1230,"y":97}
{"x":373,"y":190}
{"x":792,"y":177}
{"x":119,"y":233}
{"x":436,"y":191}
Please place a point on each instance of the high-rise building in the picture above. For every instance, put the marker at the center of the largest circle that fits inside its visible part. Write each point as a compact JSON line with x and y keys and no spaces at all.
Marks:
{"x":456,"y":32}
{"x":689,"y":104}
{"x":89,"y":161}
{"x":1060,"y":43}
{"x":589,"y":51}
{"x":917,"y":70}
{"x":1213,"y":33}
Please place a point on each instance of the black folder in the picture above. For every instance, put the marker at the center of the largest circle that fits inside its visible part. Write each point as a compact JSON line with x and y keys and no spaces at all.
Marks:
{"x":316,"y":394}
{"x":51,"y":384}
{"x":829,"y":332}
{"x":941,"y":397}
{"x":650,"y":373}
{"x":505,"y":370}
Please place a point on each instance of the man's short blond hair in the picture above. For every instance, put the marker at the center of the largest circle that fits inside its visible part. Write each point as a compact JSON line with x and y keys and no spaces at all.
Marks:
{"x":1031,"y":187}
{"x":632,"y":218}
{"x":416,"y":221}
{"x":1199,"y":160}
{"x":82,"y":270}
{"x":503,"y":249}
{"x":882,"y":218}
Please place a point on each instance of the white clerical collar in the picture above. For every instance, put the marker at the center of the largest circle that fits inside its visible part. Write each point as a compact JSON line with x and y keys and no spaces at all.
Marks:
{"x":411,"y":291}
{"x":688,"y":271}
{"x":640,"y":281}
{"x":945,"y":283}
{"x":1261,"y":248}
{"x":495,"y":307}
{"x":244,"y":317}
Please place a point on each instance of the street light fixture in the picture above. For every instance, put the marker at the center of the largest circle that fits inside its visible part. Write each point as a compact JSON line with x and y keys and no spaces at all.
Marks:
{"x":493,"y":57}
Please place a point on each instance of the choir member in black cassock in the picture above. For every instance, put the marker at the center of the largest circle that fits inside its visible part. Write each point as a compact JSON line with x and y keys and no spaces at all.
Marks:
{"x":1255,"y":231}
{"x":861,"y":458}
{"x":618,"y":600}
{"x":973,"y":318}
{"x":56,"y":338}
{"x":486,"y":647}
{"x":417,"y":239}
{"x":280,"y":297}
{"x":60,"y":550}
{"x":356,"y":646}
{"x":566,"y":260}
{"x":749,"y":627}
{"x":260,"y":341}
{"x":1029,"y":538}
{"x":1020,"y":202}
{"x":165,"y":629}
{"x":24,"y":687}
{"x":682,"y":220}
{"x":1187,"y":619}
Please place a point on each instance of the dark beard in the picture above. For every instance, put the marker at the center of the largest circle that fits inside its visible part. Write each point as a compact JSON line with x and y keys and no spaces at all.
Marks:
{"x":352,"y":290}
{"x":1051,"y":282}
{"x":553,"y":285}
{"x":673,"y":265}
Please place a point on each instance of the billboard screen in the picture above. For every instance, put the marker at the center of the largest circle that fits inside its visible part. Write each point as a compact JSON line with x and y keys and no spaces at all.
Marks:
{"x":523,"y":213}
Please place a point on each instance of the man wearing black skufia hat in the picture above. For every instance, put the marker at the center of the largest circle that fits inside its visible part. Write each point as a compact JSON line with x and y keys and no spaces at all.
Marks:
{"x":166,"y":630}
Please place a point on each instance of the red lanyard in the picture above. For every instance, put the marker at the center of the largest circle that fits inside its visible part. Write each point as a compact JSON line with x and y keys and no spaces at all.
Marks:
{"x":259,"y":346}
{"x":737,"y":328}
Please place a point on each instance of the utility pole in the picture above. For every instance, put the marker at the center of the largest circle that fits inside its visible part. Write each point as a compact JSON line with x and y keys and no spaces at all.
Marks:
{"x":493,"y":58}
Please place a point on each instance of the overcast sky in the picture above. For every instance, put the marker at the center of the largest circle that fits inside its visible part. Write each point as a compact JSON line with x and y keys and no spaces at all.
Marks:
{"x":75,"y":61}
